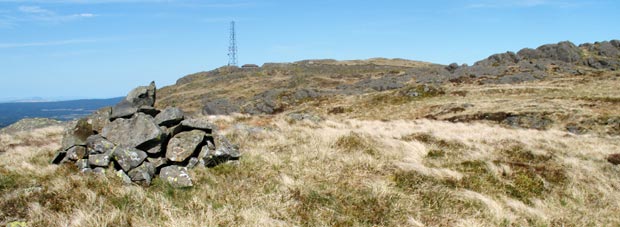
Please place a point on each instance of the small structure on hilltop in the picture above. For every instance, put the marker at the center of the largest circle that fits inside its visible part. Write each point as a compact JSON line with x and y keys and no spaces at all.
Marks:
{"x":249,"y":66}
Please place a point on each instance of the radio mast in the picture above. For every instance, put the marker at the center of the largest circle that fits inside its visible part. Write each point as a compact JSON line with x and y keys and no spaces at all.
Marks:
{"x":232,"y":48}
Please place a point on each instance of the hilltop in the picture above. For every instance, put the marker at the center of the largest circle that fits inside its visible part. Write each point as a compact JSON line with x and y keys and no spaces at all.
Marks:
{"x":517,"y":139}
{"x":556,"y":85}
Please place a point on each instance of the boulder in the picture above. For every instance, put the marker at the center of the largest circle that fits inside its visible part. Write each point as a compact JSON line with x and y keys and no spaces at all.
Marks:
{"x":222,"y":152}
{"x":98,"y":144}
{"x":143,"y":173}
{"x":199,"y":124}
{"x":140,"y":130}
{"x":100,"y":118}
{"x":157,"y":162}
{"x":123,"y":176}
{"x":128,"y":157}
{"x":193,"y":161}
{"x":169,"y":117}
{"x":176,"y":176}
{"x":607,"y":49}
{"x":563,"y":51}
{"x":184,"y":144}
{"x":101,"y":160}
{"x":76,"y":153}
{"x":77,"y":134}
{"x":82,"y":164}
{"x":137,"y":98}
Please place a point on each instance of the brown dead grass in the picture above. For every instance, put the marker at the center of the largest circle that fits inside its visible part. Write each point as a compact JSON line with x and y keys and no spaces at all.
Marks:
{"x":322,"y":174}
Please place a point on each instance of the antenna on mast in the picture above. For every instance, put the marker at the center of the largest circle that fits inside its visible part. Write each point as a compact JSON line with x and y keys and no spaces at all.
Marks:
{"x":232,"y":48}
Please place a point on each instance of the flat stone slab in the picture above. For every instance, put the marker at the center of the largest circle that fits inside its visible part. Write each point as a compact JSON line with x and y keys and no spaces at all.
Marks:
{"x":184,"y":144}
{"x":139,"y":130}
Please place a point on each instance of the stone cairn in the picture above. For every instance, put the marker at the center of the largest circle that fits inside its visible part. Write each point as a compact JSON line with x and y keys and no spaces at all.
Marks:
{"x":140,"y":142}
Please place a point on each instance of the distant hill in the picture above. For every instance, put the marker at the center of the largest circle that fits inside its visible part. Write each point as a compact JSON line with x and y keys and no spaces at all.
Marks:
{"x":62,"y":110}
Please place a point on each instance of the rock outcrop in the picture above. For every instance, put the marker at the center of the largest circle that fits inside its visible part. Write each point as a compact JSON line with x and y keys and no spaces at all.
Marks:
{"x":139,"y":141}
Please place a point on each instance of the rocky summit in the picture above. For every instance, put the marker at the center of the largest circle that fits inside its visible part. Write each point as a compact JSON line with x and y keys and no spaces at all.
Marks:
{"x":139,"y":142}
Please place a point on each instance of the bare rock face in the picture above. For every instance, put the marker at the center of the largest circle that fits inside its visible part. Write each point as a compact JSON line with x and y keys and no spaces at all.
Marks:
{"x":176,"y":176}
{"x":184,"y":144}
{"x":137,"y":98}
{"x":138,"y":131}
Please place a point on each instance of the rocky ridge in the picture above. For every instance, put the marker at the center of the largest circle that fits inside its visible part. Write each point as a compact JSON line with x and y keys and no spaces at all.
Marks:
{"x":292,"y":84}
{"x":140,"y":142}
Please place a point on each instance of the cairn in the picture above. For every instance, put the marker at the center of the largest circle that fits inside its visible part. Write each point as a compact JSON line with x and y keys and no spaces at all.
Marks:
{"x":140,"y":142}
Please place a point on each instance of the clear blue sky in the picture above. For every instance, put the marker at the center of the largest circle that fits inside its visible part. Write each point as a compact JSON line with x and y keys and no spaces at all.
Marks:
{"x":103,"y":48}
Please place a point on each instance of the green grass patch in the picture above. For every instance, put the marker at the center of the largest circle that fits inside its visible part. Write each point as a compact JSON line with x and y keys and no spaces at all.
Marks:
{"x":355,"y":142}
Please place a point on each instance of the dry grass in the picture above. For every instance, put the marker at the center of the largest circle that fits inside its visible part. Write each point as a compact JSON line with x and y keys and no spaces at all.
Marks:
{"x":336,"y":173}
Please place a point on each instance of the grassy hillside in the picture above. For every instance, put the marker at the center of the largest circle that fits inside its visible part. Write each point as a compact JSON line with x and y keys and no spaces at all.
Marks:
{"x":379,"y":142}
{"x":336,"y":172}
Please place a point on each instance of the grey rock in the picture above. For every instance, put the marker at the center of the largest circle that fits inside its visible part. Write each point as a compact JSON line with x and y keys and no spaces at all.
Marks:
{"x":137,"y":98}
{"x":223,"y":151}
{"x":143,"y":173}
{"x":221,"y":106}
{"x":563,"y":51}
{"x":183,"y":145}
{"x":123,"y":176}
{"x":226,"y":148}
{"x":529,"y":54}
{"x":99,"y":171}
{"x":157,"y":162}
{"x":102,"y":160}
{"x":155,"y":150}
{"x":176,"y":176}
{"x":174,"y":130}
{"x":82,"y":164}
{"x":508,"y":58}
{"x":304,"y":116}
{"x":77,"y":134}
{"x":140,"y":130}
{"x":607,"y":49}
{"x":99,"y":144}
{"x":86,"y":171}
{"x":100,"y":118}
{"x":149,"y":110}
{"x":58,"y":157}
{"x":76,"y":153}
{"x":199,"y":124}
{"x":193,"y":161}
{"x":128,"y":157}
{"x":169,"y":117}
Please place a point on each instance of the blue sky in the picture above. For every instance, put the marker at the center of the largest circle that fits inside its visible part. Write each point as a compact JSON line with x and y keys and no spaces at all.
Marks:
{"x":103,"y":48}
